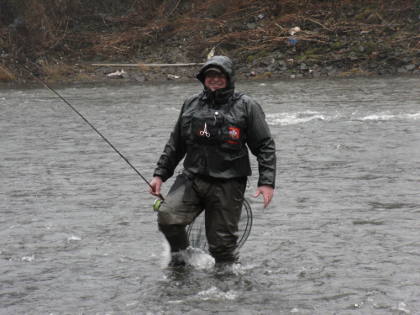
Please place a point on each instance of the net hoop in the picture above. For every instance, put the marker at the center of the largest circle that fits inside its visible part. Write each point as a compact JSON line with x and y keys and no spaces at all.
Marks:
{"x":196,"y":231}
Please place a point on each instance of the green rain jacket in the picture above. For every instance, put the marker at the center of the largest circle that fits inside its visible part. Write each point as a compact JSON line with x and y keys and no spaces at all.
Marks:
{"x":214,"y":131}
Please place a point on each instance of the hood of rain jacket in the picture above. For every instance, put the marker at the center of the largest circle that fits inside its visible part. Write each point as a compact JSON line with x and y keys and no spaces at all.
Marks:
{"x":226,"y":66}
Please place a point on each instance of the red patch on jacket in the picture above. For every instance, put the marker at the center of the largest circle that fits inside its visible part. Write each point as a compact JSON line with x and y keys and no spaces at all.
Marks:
{"x":234,"y":133}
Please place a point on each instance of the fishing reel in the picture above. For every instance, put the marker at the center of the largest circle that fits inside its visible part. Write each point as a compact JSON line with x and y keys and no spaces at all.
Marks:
{"x":156,"y":204}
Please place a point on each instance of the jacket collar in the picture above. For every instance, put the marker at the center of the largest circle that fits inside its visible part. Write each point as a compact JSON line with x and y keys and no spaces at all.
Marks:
{"x":218,"y":97}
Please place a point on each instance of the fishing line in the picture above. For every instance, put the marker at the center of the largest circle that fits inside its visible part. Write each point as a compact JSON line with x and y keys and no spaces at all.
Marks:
{"x":88,"y":122}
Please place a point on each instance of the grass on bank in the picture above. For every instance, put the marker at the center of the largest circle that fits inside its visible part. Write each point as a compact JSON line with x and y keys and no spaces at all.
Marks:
{"x":6,"y":75}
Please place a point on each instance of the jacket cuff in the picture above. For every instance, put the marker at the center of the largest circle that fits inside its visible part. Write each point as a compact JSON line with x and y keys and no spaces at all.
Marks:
{"x":161,"y":173}
{"x":261,"y":183}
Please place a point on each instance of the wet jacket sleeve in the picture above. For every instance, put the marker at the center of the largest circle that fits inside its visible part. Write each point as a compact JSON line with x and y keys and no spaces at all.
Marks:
{"x":261,"y":144}
{"x":173,"y":152}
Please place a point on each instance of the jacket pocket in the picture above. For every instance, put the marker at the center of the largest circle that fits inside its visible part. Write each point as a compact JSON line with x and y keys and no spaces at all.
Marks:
{"x":233,"y":134}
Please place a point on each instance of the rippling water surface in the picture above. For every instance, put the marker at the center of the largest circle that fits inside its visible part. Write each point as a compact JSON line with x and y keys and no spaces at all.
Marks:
{"x":341,"y":236}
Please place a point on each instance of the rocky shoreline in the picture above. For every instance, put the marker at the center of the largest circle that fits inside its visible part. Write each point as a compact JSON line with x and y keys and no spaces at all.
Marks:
{"x":267,"y":69}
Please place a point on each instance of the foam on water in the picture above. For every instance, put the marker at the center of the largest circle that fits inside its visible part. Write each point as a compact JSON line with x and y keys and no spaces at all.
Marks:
{"x":198,"y":258}
{"x":73,"y":238}
{"x":28,"y":258}
{"x":215,"y":293}
{"x":166,"y":254}
{"x":388,"y":116}
{"x":194,"y":257}
{"x":293,"y":118}
{"x":402,"y":307}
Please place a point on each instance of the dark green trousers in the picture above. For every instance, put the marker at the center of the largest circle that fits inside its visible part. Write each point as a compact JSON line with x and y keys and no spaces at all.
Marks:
{"x":221,"y":199}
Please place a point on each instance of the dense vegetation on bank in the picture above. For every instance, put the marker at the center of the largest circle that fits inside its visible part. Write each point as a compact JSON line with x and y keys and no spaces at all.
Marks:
{"x":60,"y":39}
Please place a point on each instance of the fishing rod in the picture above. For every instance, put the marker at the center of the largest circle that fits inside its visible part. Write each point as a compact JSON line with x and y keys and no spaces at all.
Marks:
{"x":92,"y":126}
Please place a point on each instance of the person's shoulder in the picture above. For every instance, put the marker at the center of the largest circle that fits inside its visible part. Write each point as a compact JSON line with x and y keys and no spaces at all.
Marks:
{"x":189,"y":100}
{"x":249,"y":105}
{"x":245,"y":99}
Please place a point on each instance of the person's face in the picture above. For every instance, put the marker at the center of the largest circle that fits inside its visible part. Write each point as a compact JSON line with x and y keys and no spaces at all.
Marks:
{"x":215,"y":80}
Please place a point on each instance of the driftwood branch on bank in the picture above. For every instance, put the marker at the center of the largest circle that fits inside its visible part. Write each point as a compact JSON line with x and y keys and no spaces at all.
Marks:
{"x":146,"y":65}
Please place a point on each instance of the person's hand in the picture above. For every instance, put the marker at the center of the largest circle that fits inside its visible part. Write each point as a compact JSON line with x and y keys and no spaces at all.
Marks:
{"x":155,"y":185}
{"x":267,"y":192}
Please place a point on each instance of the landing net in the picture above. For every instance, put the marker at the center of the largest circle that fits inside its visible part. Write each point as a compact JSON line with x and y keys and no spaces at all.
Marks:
{"x":196,"y":231}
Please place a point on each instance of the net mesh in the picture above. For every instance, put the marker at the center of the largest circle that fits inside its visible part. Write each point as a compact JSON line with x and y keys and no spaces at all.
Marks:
{"x":196,"y":231}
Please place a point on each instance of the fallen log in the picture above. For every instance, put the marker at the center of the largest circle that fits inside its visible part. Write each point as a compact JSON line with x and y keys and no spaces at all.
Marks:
{"x":141,"y":65}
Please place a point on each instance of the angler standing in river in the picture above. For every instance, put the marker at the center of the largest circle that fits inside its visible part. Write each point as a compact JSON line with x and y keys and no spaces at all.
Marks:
{"x":213,"y":132}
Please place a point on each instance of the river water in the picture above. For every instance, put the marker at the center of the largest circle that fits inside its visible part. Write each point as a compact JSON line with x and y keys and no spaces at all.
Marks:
{"x":78,"y":235}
